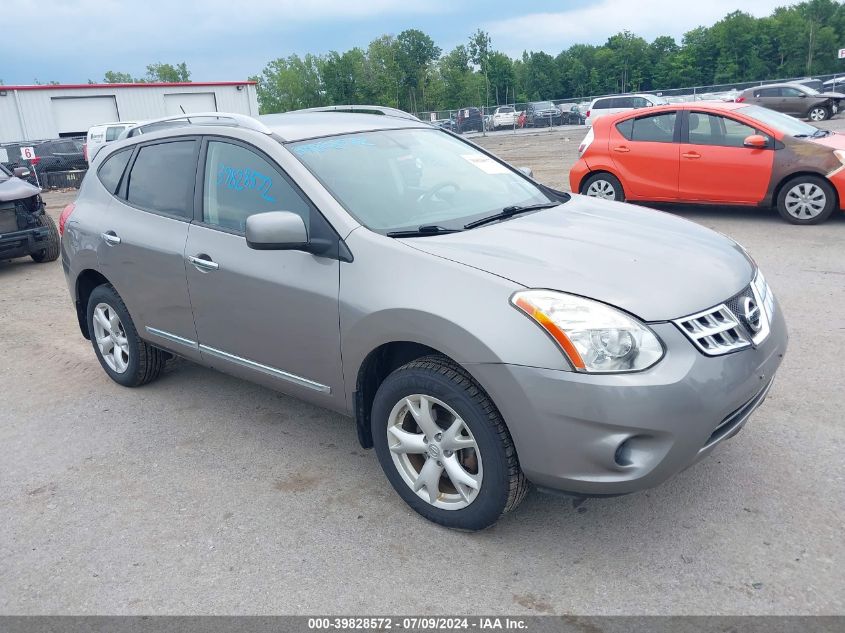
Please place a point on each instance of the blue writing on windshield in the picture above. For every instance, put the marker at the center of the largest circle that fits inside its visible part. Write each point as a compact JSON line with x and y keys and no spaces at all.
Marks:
{"x":318,"y":147}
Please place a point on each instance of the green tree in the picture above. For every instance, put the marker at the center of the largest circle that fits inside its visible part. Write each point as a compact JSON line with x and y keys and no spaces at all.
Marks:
{"x":114,"y":77}
{"x":415,"y":51}
{"x":167,"y":73}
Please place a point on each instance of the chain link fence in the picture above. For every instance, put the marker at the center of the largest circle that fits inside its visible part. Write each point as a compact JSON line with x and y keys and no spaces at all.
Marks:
{"x":574,"y":109}
{"x":52,"y":163}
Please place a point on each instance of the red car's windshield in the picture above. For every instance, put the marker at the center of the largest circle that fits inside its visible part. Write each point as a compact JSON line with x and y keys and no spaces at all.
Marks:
{"x":780,"y":122}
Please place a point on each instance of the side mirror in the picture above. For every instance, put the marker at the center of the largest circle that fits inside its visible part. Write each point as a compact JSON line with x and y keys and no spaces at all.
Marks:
{"x":276,"y":231}
{"x":756,"y":141}
{"x":527,"y":171}
{"x":21,"y":172}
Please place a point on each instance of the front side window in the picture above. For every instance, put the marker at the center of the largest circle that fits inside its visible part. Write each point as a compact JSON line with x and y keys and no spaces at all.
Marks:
{"x":240,"y":183}
{"x":640,"y":102}
{"x":790,"y":92}
{"x":162,"y":178}
{"x":112,"y":169}
{"x":113,"y":132}
{"x":393,"y":180}
{"x":710,"y":129}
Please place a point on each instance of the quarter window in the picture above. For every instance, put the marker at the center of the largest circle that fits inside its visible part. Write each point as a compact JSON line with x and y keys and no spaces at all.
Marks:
{"x":240,"y":183}
{"x":162,"y":178}
{"x":112,"y":169}
{"x":709,"y":129}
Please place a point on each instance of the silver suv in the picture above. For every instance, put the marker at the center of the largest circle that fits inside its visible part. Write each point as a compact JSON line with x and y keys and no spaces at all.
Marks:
{"x":483,"y":330}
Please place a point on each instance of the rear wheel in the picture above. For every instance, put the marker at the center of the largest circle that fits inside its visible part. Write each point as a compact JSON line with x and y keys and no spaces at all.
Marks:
{"x":603,"y":185}
{"x":444,"y":446}
{"x":806,"y":200}
{"x":818,"y":113}
{"x":127,"y":359}
{"x":50,"y":252}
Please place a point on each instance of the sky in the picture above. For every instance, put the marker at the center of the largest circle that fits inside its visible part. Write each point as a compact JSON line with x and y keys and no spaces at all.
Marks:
{"x":72,"y":41}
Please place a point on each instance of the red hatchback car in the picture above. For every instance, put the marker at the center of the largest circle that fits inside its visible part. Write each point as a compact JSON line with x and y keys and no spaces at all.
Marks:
{"x":714,"y":153}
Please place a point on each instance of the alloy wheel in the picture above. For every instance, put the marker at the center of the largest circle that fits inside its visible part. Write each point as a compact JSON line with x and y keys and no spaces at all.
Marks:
{"x":434,"y":452}
{"x":601,"y":189}
{"x":818,"y":114}
{"x":805,"y":201}
{"x":111,"y":338}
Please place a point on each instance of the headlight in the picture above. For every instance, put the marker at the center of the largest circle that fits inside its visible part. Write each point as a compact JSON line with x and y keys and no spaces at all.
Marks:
{"x":765,"y":293}
{"x":594,"y":337}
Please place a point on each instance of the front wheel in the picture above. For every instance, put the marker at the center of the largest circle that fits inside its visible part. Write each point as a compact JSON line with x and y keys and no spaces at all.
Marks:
{"x":50,"y":252}
{"x":806,"y":200}
{"x":819,"y":113}
{"x":444,"y":447}
{"x":605,"y":186}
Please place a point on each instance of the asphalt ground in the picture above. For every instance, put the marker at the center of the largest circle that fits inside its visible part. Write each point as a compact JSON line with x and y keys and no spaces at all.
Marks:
{"x":205,"y":494}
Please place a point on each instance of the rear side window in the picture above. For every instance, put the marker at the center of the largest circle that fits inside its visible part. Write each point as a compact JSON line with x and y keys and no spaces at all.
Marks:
{"x":603,"y":104}
{"x":766,"y":92}
{"x":657,"y":128}
{"x":112,"y":169}
{"x":623,"y":102}
{"x":240,"y":183}
{"x":113,"y":132}
{"x":626,"y":128}
{"x":162,"y":178}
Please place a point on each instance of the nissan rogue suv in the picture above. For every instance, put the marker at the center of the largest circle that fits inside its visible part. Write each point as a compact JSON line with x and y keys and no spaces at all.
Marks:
{"x":483,"y":330}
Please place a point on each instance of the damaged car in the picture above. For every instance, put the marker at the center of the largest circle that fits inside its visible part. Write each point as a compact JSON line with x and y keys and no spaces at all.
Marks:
{"x":25,"y":227}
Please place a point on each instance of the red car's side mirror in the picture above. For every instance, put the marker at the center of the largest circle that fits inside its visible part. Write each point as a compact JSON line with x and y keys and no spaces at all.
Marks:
{"x":756,"y":141}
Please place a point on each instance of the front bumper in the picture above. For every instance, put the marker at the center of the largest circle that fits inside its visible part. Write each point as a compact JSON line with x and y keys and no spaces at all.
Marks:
{"x":23,"y":243}
{"x":613,"y":434}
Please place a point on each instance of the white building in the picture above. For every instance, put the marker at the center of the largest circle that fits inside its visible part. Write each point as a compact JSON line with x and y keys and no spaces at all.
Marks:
{"x":29,"y":113}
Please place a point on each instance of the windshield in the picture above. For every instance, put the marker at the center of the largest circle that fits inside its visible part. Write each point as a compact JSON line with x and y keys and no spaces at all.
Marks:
{"x":394,"y":180}
{"x":810,"y":91}
{"x":781,"y":122}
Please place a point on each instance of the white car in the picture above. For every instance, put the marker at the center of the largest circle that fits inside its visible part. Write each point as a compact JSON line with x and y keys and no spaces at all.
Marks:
{"x":504,"y":116}
{"x":620,"y":103}
{"x":100,"y":135}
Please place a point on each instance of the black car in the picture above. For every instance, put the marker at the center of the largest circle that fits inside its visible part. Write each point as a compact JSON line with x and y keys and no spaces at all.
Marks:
{"x":64,"y":154}
{"x":469,"y":120}
{"x":25,"y":227}
{"x":542,"y":114}
{"x":573,"y":116}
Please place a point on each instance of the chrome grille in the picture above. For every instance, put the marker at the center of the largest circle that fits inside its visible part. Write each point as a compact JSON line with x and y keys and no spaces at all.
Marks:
{"x":715,"y":331}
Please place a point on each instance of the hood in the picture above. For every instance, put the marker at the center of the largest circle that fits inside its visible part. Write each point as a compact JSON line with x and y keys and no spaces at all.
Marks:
{"x":831,"y":95}
{"x":652,"y":264}
{"x":833,"y":140}
{"x":16,"y":189}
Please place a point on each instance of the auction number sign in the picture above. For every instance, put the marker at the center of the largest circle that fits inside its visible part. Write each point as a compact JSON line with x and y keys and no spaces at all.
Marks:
{"x":28,"y":153}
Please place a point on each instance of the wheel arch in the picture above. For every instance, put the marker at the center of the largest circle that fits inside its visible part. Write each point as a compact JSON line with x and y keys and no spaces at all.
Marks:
{"x":85,"y":283}
{"x":595,"y":172}
{"x":805,"y":172}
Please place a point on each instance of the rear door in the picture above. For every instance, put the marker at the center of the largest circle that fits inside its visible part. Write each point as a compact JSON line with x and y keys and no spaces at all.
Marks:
{"x":645,"y":151}
{"x":142,"y":239}
{"x":269,"y":315}
{"x":767,"y":98}
{"x":715,"y":165}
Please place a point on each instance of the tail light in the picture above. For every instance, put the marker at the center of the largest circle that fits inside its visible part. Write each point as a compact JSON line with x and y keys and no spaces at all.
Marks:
{"x":739,"y":99}
{"x":588,"y":140}
{"x":35,"y":160}
{"x":63,"y":218}
{"x":588,"y":114}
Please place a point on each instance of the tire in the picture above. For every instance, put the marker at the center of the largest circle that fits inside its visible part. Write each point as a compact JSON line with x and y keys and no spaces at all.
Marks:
{"x":799,"y":200}
{"x":603,"y":185}
{"x":51,"y":252}
{"x":143,"y":362}
{"x":491,"y":462}
{"x":818,"y":113}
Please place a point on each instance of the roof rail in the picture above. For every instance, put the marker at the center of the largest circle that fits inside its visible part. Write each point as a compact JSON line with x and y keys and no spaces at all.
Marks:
{"x":365,"y":109}
{"x":197,"y":118}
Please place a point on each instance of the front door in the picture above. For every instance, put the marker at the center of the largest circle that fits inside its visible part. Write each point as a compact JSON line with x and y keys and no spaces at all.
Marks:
{"x":717,"y":167}
{"x":142,"y":239}
{"x":645,"y":152}
{"x":269,"y":315}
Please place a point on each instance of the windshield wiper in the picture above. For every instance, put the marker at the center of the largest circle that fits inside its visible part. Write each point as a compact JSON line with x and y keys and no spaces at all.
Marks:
{"x":509,"y":212}
{"x":422,"y":231}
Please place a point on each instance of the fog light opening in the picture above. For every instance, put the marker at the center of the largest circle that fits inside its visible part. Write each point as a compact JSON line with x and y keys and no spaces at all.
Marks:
{"x":624,"y":454}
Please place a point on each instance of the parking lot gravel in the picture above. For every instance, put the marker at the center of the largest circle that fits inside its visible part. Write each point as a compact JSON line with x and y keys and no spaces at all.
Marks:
{"x":204,"y":494}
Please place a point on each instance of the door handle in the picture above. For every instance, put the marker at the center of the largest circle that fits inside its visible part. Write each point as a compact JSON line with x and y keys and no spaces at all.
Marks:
{"x":203,"y":263}
{"x":110,"y":238}
{"x":622,"y":148}
{"x":691,"y":155}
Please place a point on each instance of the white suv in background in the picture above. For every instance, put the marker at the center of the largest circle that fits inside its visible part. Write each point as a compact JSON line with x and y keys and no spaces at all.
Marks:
{"x":504,"y":116}
{"x":620,"y":103}
{"x":102,"y":134}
